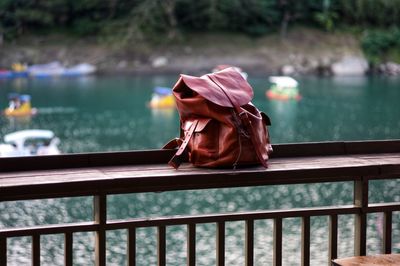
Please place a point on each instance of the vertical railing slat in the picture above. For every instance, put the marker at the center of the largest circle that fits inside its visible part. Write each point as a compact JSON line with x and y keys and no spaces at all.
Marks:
{"x":161,"y":246}
{"x":100,"y":217}
{"x":68,"y":249}
{"x":249,"y":242}
{"x":278,"y":241}
{"x":220,"y":244}
{"x":36,"y":250}
{"x":360,"y":234}
{"x":360,"y":223}
{"x":305,"y":241}
{"x":387,"y":232}
{"x":3,"y":251}
{"x":191,"y":245}
{"x":131,"y":246}
{"x":333,"y":237}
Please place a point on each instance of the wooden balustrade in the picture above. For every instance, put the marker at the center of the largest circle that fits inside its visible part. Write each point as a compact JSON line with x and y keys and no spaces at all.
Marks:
{"x":103,"y":174}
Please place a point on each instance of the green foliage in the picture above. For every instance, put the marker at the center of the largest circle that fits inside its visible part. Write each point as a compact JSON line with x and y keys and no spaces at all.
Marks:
{"x":378,"y":45}
{"x":253,"y":17}
{"x":260,"y":18}
{"x":85,"y":26}
{"x":394,"y":55}
{"x":131,"y":20}
{"x":34,"y":17}
{"x":327,"y":20}
{"x":377,"y":13}
{"x":148,"y":21}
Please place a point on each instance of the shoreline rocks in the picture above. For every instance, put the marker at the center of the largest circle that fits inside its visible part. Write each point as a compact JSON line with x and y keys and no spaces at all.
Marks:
{"x":338,"y":56}
{"x":350,"y":66}
{"x":389,"y":69}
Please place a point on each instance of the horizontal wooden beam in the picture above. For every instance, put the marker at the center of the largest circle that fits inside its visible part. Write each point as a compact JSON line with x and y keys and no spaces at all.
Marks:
{"x":147,"y":171}
{"x":205,"y":218}
{"x":114,"y":180}
{"x":142,"y":157}
{"x":178,"y":220}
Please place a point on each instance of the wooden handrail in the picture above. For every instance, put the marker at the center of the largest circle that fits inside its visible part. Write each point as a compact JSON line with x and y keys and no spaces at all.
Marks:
{"x":68,"y":182}
{"x":163,"y":156}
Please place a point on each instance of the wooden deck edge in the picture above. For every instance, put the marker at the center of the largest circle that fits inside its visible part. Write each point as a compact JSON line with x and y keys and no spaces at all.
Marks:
{"x":143,"y":157}
{"x":82,"y":160}
{"x":335,"y":148}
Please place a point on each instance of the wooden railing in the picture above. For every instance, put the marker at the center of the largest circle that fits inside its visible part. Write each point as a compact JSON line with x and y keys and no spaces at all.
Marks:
{"x":103,"y":174}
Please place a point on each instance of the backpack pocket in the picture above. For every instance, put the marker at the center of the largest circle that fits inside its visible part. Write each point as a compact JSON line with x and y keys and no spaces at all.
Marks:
{"x":203,"y":146}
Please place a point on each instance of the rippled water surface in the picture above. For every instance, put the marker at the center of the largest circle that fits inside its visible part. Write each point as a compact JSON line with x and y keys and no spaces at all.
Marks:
{"x":110,"y":113}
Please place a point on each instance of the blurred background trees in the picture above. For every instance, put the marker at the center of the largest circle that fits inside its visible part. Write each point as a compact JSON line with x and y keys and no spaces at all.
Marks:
{"x":376,"y":21}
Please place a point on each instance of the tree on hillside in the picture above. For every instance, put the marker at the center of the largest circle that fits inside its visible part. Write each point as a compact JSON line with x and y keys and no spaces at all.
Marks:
{"x":378,"y":13}
{"x":165,"y":19}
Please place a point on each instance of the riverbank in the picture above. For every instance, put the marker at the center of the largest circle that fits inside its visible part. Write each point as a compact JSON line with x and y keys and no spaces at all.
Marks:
{"x":302,"y":51}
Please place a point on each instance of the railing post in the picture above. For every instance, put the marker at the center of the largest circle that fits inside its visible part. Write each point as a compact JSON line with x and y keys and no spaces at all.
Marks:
{"x":278,"y":241}
{"x":161,"y":245}
{"x":100,"y":217}
{"x":36,"y":250}
{"x":249,"y":242}
{"x":387,"y":232}
{"x":333,"y":237}
{"x":191,"y":244}
{"x":305,"y":241}
{"x":220,"y":243}
{"x":361,"y":201}
{"x":131,"y":246}
{"x":3,"y":251}
{"x":68,"y":254}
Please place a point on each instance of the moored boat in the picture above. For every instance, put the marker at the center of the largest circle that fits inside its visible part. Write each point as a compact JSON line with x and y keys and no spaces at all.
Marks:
{"x":18,"y":70}
{"x":29,"y":143}
{"x":56,"y":69}
{"x":46,"y":70}
{"x":162,"y":97}
{"x":79,"y":70}
{"x":5,"y":74}
{"x":19,"y":105}
{"x":283,"y":88}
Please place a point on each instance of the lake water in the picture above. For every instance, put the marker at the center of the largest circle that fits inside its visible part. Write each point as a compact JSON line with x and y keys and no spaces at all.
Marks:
{"x":110,"y":113}
{"x":94,"y":114}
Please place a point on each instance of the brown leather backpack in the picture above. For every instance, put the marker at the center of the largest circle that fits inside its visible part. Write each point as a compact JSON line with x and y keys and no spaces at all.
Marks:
{"x":220,"y":127}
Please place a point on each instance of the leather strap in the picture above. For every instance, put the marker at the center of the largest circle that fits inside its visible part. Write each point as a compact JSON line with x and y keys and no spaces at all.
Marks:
{"x":176,"y":160}
{"x":172,"y":144}
{"x":245,"y":121}
{"x":250,"y":129}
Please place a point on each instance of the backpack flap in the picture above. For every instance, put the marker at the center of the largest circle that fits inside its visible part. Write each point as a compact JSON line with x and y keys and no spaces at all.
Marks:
{"x":239,"y":89}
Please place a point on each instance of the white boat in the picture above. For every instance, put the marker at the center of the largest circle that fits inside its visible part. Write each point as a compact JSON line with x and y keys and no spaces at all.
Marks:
{"x":79,"y":70}
{"x":55,"y":69}
{"x":283,"y":88}
{"x":29,"y":143}
{"x":46,"y":70}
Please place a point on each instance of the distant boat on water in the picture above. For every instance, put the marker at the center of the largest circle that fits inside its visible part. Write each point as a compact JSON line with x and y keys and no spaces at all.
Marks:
{"x":5,"y":74}
{"x":162,"y":97}
{"x":283,"y":88}
{"x":29,"y":143}
{"x":52,"y":69}
{"x":19,"y":105}
{"x":18,"y":70}
{"x":55,"y":69}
